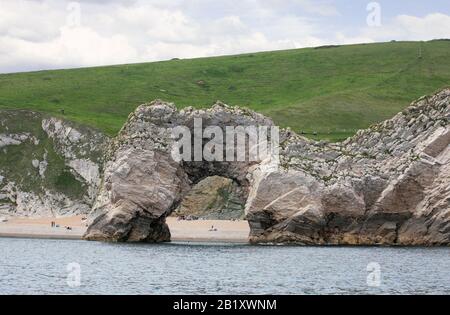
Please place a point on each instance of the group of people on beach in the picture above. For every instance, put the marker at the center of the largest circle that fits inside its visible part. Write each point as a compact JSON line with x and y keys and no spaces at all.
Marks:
{"x":54,"y":225}
{"x":188,"y":218}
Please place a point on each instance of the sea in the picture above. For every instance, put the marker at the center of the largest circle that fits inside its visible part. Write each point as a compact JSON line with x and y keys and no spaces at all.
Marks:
{"x":36,"y":266}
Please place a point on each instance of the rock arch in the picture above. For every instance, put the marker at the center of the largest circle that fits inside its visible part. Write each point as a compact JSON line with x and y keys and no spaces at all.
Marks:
{"x":142,"y":182}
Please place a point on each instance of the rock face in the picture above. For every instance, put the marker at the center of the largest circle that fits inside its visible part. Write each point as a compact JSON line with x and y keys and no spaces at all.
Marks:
{"x":48,"y":166}
{"x":389,"y":184}
{"x":214,"y":198}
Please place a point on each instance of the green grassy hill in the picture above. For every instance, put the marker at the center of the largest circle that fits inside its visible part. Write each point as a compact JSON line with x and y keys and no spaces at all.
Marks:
{"x":329,"y":90}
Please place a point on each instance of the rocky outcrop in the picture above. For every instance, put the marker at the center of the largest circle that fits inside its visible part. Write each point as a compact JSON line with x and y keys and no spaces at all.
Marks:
{"x":48,"y":166}
{"x":386,"y":185}
{"x":143,"y":183}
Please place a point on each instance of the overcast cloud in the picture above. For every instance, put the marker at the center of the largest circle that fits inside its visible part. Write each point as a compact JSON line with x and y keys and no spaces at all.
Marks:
{"x":49,"y":34}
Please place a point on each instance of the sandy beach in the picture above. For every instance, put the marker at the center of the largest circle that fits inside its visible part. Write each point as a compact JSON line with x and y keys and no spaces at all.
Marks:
{"x":199,"y":231}
{"x":182,"y":231}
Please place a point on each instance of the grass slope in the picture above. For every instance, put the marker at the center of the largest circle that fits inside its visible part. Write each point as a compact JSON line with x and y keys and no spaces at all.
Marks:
{"x":331,"y":91}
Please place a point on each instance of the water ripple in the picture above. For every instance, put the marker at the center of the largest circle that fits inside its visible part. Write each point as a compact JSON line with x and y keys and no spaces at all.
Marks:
{"x":40,"y":266}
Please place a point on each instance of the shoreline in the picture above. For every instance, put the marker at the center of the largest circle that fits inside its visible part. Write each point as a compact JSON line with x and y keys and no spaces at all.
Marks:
{"x":41,"y":236}
{"x":80,"y":238}
{"x":182,"y":231}
{"x":229,"y":232}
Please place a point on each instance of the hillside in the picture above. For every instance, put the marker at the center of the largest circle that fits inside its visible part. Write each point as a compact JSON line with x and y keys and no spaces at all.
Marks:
{"x":331,"y":91}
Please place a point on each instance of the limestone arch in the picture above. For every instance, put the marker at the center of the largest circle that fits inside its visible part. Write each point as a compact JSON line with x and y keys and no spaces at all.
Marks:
{"x":143,"y":183}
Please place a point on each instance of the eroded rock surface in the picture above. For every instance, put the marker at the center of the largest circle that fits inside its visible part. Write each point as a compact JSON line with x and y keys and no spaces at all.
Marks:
{"x":389,"y":184}
{"x":214,"y":198}
{"x":143,"y":183}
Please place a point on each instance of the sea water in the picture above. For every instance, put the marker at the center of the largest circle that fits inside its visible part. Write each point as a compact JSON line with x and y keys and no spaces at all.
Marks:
{"x":32,"y":266}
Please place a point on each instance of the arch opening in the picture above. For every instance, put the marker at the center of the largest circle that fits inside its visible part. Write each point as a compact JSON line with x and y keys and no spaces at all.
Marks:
{"x":213,"y":211}
{"x":213,"y":198}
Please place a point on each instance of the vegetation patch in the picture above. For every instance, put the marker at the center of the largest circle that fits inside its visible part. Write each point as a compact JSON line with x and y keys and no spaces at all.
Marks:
{"x":68,"y":184}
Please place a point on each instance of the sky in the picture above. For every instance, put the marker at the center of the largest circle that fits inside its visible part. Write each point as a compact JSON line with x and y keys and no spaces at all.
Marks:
{"x":54,"y":34}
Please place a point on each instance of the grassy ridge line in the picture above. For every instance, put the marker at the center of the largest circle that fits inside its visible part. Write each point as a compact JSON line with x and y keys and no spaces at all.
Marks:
{"x":331,"y":92}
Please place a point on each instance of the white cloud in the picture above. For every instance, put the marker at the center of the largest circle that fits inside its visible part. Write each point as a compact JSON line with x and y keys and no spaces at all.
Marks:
{"x":405,"y":27}
{"x":29,"y":20}
{"x":318,"y":7}
{"x":34,"y":34}
{"x":73,"y":47}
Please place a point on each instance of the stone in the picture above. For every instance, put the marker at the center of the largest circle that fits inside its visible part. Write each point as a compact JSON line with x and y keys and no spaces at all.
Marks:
{"x":12,"y":139}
